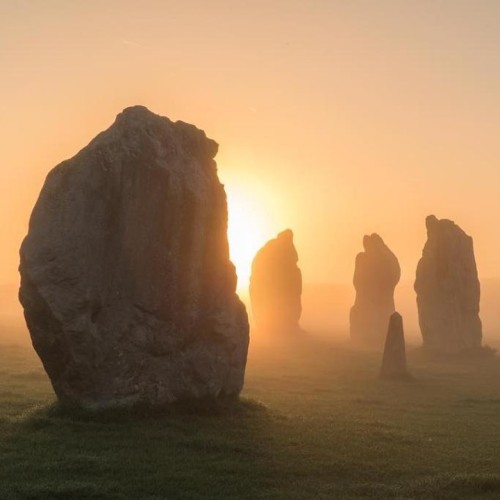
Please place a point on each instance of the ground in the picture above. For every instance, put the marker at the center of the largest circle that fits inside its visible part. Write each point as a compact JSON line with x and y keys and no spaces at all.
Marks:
{"x":314,"y":422}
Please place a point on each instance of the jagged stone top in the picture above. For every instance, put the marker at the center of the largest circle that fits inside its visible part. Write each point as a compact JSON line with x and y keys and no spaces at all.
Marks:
{"x":444,"y":237}
{"x":374,"y":246}
{"x":373,"y":243}
{"x":137,"y":131}
{"x":435,"y":225}
{"x":141,"y":119}
{"x":376,"y":258}
{"x":282,"y":245}
{"x":286,"y":235}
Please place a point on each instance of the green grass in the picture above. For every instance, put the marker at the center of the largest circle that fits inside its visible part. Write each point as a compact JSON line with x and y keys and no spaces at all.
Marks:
{"x":314,"y":422}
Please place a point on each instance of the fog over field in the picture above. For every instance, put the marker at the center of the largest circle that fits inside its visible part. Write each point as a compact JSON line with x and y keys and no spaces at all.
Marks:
{"x":249,"y":249}
{"x":325,"y":311}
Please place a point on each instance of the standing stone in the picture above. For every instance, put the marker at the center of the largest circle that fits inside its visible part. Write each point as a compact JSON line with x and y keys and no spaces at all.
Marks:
{"x":126,"y":282}
{"x":376,"y":275}
{"x":276,"y":285}
{"x":448,"y":290}
{"x":394,"y":360}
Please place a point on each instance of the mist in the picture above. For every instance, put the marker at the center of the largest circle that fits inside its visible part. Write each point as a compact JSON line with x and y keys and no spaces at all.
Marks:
{"x":325,"y":311}
{"x":184,"y":193}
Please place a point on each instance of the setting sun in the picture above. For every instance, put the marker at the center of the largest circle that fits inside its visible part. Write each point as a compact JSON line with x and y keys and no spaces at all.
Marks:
{"x":250,"y":249}
{"x":249,"y":227}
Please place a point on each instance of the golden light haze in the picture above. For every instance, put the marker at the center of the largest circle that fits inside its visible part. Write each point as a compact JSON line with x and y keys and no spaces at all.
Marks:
{"x":334,"y":118}
{"x":249,"y":225}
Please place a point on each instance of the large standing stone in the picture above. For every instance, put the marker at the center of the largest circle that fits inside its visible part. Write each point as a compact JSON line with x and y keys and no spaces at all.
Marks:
{"x":126,"y":282}
{"x":394,"y":360}
{"x":276,"y":285}
{"x":376,"y":275}
{"x":448,"y":289}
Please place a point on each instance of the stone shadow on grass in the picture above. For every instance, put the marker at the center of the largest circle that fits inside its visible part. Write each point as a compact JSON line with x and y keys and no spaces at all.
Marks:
{"x":203,"y":408}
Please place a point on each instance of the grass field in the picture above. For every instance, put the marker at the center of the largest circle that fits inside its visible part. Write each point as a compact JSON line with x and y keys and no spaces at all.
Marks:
{"x":314,"y":422}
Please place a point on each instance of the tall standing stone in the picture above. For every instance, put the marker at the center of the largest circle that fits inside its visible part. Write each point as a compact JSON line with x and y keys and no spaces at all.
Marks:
{"x":376,"y":275}
{"x":126,"y":282}
{"x":394,"y":359}
{"x":448,"y":289}
{"x":276,"y":285}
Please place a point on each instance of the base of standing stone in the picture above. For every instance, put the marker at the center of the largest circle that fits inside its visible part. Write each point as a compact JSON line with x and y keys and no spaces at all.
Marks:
{"x":400,"y":377}
{"x":227,"y":405}
{"x":480,"y":352}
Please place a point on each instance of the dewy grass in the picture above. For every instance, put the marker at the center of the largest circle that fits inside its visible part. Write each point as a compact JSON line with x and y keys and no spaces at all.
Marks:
{"x":314,"y":421}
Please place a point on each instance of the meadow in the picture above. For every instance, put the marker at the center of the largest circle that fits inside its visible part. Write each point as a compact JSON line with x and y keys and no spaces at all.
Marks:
{"x":314,"y":421}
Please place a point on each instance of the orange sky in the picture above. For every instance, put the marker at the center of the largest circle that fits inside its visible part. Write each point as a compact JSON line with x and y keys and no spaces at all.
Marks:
{"x":334,"y":118}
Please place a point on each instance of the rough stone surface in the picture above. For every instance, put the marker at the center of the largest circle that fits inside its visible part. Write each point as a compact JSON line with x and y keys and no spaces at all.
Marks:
{"x":376,"y":275}
{"x":448,"y":290}
{"x":394,"y":359}
{"x":276,"y":285}
{"x":126,"y":282}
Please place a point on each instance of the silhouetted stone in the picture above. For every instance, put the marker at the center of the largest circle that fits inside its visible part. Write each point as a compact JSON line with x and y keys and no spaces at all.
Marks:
{"x":448,"y":290}
{"x":276,"y":285}
{"x":394,"y":360}
{"x":126,"y":282}
{"x":376,"y":275}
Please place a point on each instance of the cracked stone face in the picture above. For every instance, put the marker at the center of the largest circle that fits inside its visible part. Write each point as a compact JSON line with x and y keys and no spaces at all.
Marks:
{"x":448,"y":289}
{"x":126,"y":283}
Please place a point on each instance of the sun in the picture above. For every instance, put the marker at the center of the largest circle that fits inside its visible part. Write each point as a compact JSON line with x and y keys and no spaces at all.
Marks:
{"x":248,"y":229}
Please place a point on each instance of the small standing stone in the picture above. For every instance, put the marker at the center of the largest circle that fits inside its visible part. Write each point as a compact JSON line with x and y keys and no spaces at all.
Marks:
{"x":394,"y":360}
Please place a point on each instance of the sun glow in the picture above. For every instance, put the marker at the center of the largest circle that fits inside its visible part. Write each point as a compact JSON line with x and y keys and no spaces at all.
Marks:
{"x":248,"y":229}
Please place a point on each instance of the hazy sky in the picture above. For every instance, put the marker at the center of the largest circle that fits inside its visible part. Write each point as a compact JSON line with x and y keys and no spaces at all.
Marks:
{"x":334,"y":118}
